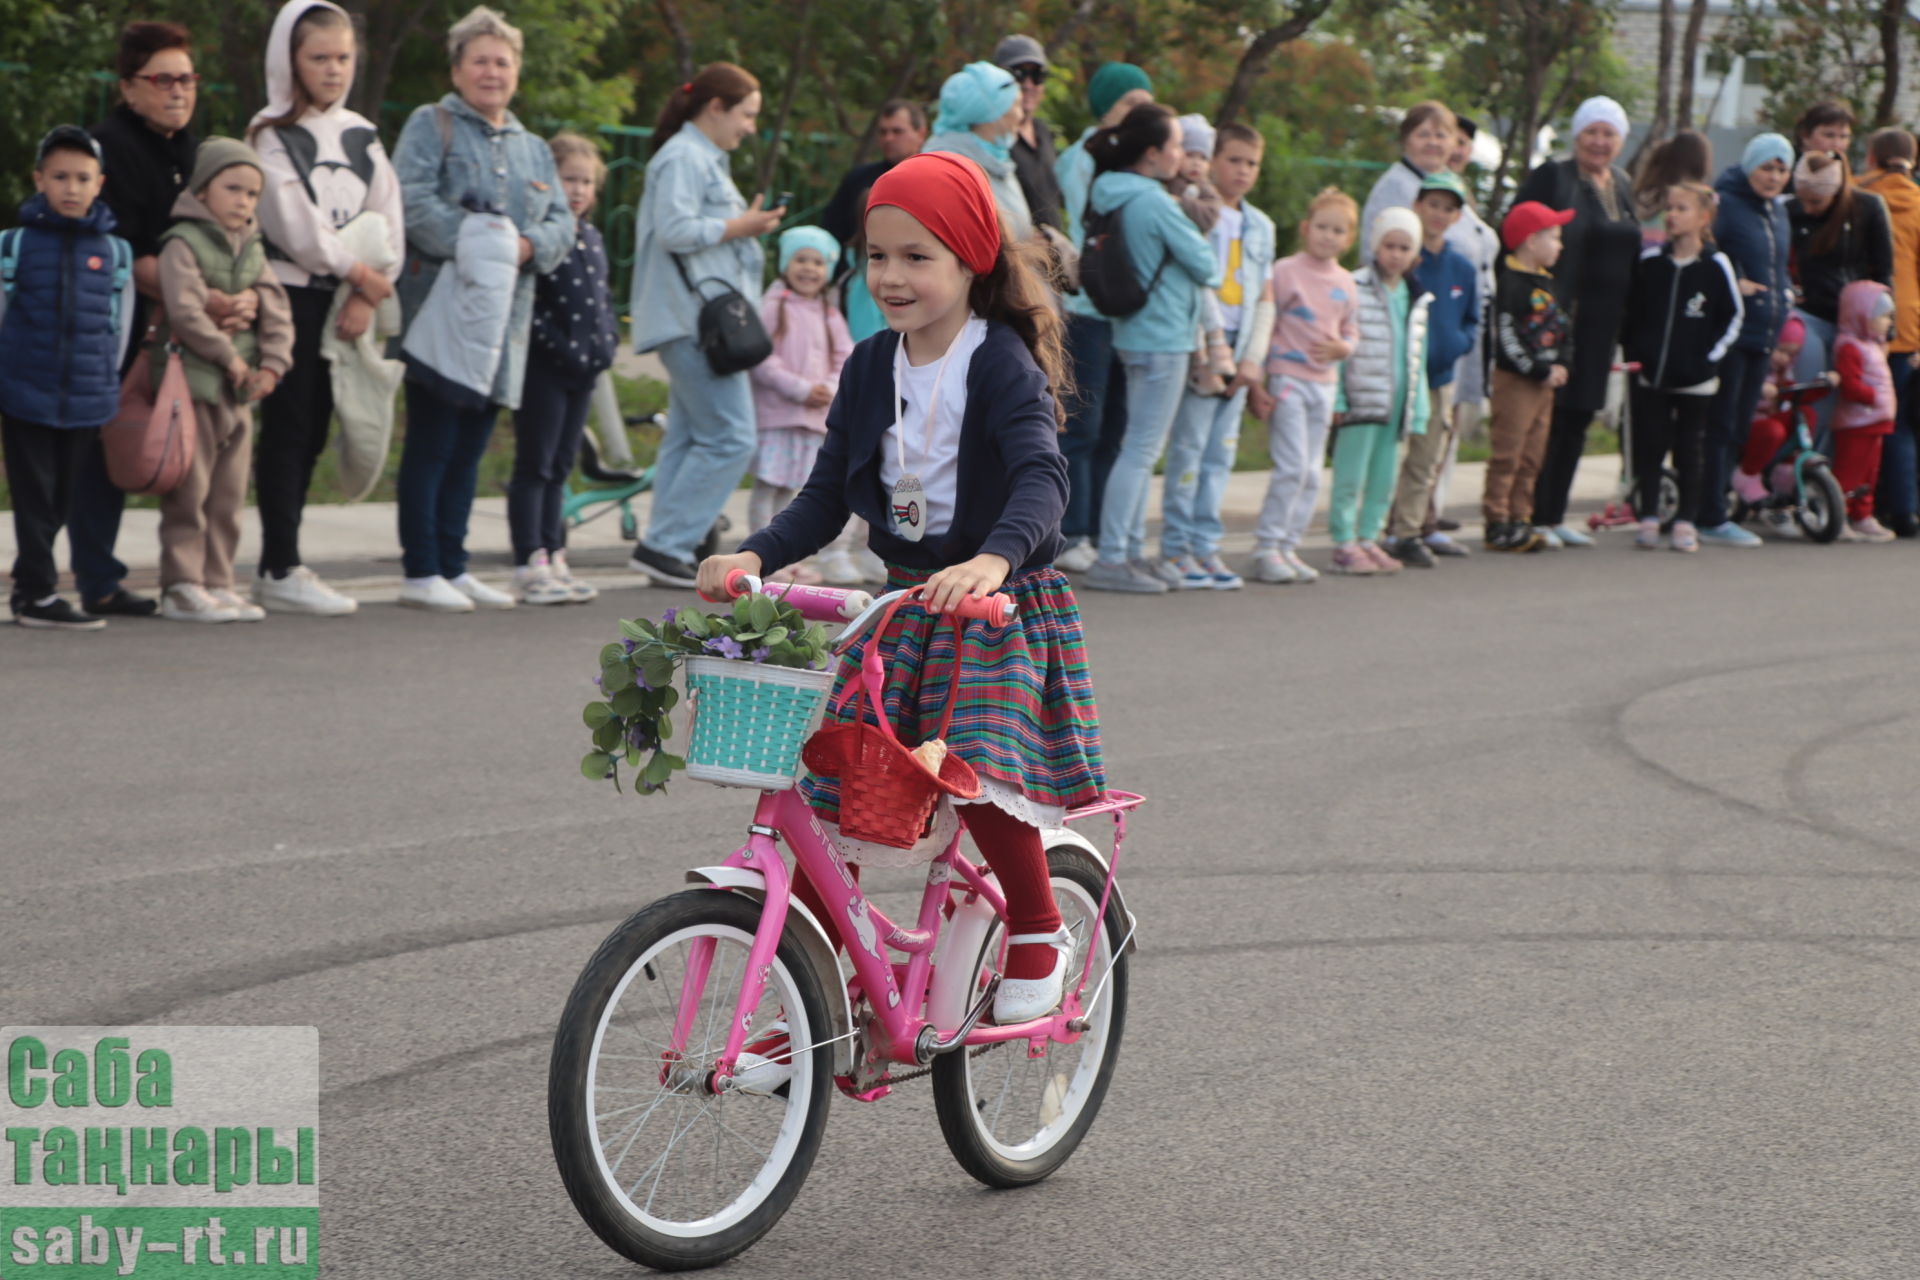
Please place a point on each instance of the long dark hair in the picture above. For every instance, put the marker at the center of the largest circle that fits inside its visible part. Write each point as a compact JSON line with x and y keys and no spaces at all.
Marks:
{"x":1146,"y":127}
{"x":723,"y":80}
{"x":318,"y":18}
{"x":1839,"y":216}
{"x":1685,"y":157}
{"x":1013,"y":294}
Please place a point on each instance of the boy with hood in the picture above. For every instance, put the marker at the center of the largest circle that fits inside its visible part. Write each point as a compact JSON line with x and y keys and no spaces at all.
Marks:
{"x":216,"y":244}
{"x":66,"y":305}
{"x":325,"y":168}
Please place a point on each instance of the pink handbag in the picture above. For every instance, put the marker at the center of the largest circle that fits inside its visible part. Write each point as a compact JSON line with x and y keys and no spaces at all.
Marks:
{"x":150,"y":443}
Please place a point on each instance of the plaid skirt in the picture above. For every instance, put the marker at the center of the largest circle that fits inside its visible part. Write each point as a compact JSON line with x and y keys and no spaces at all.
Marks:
{"x":1024,"y":715}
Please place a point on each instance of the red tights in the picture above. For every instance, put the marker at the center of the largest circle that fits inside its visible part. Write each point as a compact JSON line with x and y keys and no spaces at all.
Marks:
{"x":1018,"y":861}
{"x":1856,"y":464}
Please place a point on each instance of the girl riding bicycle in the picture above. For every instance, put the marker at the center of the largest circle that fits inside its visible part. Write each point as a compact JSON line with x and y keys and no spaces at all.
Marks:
{"x":943,"y":437}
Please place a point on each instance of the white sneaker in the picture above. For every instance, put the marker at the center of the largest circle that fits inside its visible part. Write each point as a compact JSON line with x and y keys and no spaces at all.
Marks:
{"x":1269,"y":564}
{"x":578,"y":592}
{"x":1024,"y":999}
{"x":533,"y":582}
{"x":190,"y":602}
{"x":435,"y":594}
{"x":482,"y":595}
{"x":1302,"y":571}
{"x":1549,"y":539}
{"x":837,"y":569}
{"x":301,"y":591}
{"x":1165,"y":570}
{"x":243,"y":609}
{"x":1078,"y":557}
{"x":872,"y":568}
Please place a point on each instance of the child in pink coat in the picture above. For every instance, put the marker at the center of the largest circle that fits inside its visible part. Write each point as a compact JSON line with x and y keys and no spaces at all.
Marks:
{"x":1864,"y":417}
{"x":793,"y":387}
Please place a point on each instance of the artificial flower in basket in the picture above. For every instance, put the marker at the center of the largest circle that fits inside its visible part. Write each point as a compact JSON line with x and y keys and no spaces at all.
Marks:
{"x":761,"y":643}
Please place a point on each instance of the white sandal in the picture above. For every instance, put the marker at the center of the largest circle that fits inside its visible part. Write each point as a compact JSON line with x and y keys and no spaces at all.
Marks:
{"x":1024,"y":999}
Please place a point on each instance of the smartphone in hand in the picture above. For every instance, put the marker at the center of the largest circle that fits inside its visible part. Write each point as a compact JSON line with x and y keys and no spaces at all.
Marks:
{"x":782,"y":201}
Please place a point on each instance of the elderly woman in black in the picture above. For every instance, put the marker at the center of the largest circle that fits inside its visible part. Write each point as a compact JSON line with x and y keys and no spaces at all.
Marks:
{"x":1595,"y":269}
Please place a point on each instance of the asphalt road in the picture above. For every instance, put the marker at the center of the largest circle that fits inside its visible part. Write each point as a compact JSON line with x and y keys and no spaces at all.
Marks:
{"x":1551,"y":917}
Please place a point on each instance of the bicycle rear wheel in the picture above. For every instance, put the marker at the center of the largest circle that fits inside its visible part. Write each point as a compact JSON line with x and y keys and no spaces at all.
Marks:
{"x":665,"y":1171}
{"x":1010,"y":1119}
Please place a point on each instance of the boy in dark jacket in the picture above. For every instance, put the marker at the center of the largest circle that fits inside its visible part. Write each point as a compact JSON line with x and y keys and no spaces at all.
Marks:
{"x":66,"y":306}
{"x":1530,"y":355}
{"x":1453,"y":321}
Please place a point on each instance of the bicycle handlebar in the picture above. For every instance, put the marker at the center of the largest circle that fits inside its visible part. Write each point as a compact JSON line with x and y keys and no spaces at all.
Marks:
{"x":833,"y":604}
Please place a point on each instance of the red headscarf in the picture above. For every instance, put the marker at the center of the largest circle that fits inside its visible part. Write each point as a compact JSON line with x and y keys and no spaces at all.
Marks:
{"x":950,"y":196}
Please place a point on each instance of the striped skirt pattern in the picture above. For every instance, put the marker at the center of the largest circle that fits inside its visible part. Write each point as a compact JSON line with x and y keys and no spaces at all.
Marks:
{"x":1025,"y":713}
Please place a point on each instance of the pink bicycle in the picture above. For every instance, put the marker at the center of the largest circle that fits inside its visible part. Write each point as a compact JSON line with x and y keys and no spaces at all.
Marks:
{"x":689,"y":1084}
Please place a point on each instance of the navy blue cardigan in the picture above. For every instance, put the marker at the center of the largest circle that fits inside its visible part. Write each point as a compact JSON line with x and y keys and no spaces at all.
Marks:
{"x":1012,"y":482}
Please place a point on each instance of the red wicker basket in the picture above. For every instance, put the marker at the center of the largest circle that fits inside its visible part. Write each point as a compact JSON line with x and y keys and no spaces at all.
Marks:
{"x":887,"y":795}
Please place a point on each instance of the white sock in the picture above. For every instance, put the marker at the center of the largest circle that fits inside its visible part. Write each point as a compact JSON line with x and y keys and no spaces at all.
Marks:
{"x":422,"y":583}
{"x":41,"y":604}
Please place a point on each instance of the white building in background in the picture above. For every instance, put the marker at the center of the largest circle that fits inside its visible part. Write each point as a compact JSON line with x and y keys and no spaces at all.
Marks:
{"x":1728,"y":96}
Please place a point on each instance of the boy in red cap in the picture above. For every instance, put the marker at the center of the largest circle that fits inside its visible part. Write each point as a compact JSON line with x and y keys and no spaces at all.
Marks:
{"x":1529,"y":362}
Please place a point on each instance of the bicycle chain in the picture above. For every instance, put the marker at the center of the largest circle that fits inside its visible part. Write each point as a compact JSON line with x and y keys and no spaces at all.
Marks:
{"x":922,"y":1072}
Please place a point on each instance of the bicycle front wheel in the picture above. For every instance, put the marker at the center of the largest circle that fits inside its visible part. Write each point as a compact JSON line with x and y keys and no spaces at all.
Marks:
{"x":1011,"y":1119}
{"x":665,"y":1171}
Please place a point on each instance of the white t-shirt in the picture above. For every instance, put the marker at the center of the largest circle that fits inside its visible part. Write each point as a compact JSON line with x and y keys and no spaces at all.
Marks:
{"x":1227,"y":248}
{"x":937,"y":464}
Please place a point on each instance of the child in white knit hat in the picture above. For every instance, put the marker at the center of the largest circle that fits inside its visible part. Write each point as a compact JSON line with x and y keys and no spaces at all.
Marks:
{"x":1212,"y":368}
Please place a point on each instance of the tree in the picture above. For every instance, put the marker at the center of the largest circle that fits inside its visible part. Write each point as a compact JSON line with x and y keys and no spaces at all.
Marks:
{"x":1662,"y":122}
{"x":1287,"y":22}
{"x":1846,"y":50}
{"x":1690,"y":53}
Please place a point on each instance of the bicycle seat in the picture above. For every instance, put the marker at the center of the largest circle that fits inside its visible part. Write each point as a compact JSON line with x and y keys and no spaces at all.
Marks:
{"x":599,"y":472}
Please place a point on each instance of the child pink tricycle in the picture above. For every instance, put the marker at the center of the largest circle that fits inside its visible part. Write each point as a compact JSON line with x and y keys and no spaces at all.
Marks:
{"x":689,"y":1085}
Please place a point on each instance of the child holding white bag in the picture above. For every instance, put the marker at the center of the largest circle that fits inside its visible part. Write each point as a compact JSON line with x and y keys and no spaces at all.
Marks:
{"x":324,"y":167}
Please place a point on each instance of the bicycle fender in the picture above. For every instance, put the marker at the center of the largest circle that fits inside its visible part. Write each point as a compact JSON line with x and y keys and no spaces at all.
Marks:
{"x":812,"y":937}
{"x":1056,"y":837}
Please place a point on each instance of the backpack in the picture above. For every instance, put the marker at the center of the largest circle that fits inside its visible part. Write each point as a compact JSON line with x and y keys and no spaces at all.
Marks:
{"x":122,"y":267}
{"x":1107,"y":276}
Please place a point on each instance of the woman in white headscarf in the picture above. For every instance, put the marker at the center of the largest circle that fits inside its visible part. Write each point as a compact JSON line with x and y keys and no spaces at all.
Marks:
{"x":1602,"y":245}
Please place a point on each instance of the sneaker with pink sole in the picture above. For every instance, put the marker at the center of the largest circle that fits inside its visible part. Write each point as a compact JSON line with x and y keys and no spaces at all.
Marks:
{"x":1353,"y":561}
{"x":1869,"y":529}
{"x":1381,"y":560}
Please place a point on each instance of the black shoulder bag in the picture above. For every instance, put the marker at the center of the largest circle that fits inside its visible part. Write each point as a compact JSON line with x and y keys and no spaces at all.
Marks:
{"x":728,"y":329}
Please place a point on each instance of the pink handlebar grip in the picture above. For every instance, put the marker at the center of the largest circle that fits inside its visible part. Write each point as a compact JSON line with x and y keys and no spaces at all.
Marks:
{"x":820,"y":604}
{"x":994,"y":610}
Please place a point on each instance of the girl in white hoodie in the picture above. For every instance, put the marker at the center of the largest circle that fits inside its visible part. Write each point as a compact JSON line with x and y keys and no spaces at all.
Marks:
{"x":324,"y":167}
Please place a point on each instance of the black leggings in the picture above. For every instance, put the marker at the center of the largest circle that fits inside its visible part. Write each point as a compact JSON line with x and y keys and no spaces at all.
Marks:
{"x":1664,"y":422}
{"x":294,"y":422}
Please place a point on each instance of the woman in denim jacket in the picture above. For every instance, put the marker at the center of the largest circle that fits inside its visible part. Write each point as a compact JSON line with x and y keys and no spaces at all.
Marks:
{"x":692,"y":211}
{"x":462,"y":155}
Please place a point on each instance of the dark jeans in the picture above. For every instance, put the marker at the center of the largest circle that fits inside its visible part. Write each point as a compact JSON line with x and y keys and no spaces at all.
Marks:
{"x":1899,"y":496}
{"x":1566,"y":441}
{"x":546,"y":441}
{"x":1664,"y":422}
{"x":93,"y":524}
{"x":439,"y":468}
{"x":1741,"y":376}
{"x":41,"y":465}
{"x":1096,"y":422}
{"x":294,"y":421}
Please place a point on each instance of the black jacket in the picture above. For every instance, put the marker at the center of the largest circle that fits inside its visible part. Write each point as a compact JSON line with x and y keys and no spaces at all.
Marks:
{"x":1034,"y":166}
{"x":1012,"y":482}
{"x":1594,"y":271}
{"x":841,"y":218}
{"x":1530,"y":328}
{"x":1681,"y":320}
{"x":145,"y":175}
{"x":1864,"y":252}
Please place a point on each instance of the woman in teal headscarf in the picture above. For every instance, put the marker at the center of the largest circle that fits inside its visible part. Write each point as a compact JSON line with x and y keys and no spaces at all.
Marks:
{"x":979,"y":112}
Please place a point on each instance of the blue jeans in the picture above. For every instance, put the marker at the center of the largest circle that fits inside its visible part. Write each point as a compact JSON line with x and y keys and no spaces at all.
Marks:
{"x":711,"y":436}
{"x":1156,"y":380}
{"x":1200,"y":451}
{"x":1096,"y":420}
{"x":93,"y":526}
{"x":439,"y":469}
{"x":1741,"y":374}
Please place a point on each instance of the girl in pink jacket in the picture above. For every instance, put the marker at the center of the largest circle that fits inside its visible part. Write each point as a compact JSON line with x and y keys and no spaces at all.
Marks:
{"x":1864,"y":416}
{"x":793,"y":387}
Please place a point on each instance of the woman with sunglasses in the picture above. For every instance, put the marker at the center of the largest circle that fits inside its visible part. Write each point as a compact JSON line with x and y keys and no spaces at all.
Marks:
{"x":147,"y":150}
{"x":1033,"y":151}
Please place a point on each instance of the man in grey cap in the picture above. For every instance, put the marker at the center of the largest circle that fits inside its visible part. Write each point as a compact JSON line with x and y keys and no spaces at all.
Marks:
{"x":1033,"y":155}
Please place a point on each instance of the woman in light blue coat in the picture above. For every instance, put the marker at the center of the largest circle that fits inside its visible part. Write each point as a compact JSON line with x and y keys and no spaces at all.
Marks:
{"x":694,"y":226}
{"x":979,"y":112}
{"x":460,"y":155}
{"x":1175,"y":264}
